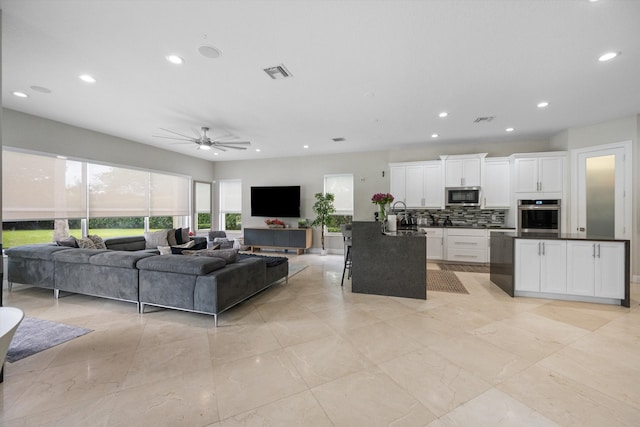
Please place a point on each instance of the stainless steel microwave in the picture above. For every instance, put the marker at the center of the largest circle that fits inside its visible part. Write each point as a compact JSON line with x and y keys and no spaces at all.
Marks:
{"x":462,"y":196}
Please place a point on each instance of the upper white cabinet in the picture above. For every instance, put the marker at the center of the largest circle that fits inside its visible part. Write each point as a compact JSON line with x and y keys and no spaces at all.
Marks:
{"x":540,"y":174}
{"x":496,"y":189}
{"x":463,"y":170}
{"x":418,"y":184}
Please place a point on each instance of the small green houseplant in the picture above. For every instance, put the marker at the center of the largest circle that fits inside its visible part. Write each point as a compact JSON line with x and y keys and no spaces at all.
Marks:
{"x":323,"y":208}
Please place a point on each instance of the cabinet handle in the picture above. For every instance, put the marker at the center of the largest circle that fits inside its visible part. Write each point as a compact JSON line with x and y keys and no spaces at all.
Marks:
{"x":543,"y":249}
{"x":539,"y":244}
{"x":594,"y":250}
{"x":465,"y":243}
{"x":598,"y":250}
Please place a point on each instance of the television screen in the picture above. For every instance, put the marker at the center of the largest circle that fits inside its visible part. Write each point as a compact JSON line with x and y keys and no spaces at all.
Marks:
{"x":276,"y":201}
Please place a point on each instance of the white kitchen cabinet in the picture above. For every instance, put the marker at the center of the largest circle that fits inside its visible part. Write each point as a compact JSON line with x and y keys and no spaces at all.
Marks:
{"x":540,"y":266}
{"x":463,"y":172}
{"x":466,"y":245}
{"x":418,"y":184}
{"x":539,"y":174}
{"x":496,"y":189}
{"x":596,"y":269}
{"x":434,"y":243}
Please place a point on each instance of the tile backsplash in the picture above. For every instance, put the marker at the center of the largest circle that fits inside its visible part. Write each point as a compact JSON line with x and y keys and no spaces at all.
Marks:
{"x":467,"y":216}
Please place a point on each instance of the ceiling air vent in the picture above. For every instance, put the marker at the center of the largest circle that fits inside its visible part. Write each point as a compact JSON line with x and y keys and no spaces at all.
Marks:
{"x":278,"y":72}
{"x":484,"y":119}
{"x":340,"y":139}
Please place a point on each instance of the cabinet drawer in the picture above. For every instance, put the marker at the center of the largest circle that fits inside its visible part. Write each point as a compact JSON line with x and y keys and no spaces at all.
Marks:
{"x":465,"y":255}
{"x":433,"y":232}
{"x":466,"y":232}
{"x":467,"y":242}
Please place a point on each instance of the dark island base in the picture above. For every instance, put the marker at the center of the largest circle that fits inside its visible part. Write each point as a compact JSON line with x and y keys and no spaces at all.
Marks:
{"x":388,"y":265}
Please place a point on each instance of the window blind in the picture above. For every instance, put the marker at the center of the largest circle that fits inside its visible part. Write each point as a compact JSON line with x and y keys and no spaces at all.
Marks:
{"x":36,"y":187}
{"x":231,"y":195}
{"x":341,"y":186}
{"x":117,"y":192}
{"x":169,"y":195}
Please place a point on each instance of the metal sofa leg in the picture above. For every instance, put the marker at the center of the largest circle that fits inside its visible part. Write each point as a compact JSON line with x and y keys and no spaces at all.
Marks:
{"x":56,"y":293}
{"x":141,"y":307}
{"x":10,"y":286}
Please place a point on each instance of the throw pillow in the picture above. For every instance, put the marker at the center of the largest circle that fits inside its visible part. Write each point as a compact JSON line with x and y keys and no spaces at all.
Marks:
{"x":70,"y":242}
{"x":185,"y":235}
{"x":187,"y":245}
{"x":86,"y":243}
{"x":178,"y":236}
{"x":97,"y":241}
{"x":228,"y":255}
{"x":164,"y":250}
{"x":153,"y":239}
{"x":171,"y":237}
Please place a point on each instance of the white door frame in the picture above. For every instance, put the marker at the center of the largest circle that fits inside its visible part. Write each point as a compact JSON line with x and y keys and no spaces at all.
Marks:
{"x":626,"y":231}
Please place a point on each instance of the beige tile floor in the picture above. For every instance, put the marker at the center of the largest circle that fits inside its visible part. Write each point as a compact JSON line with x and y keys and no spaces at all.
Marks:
{"x":310,"y":353}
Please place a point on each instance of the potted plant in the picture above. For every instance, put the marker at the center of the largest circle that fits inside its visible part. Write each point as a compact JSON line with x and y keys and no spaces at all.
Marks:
{"x":323,"y":208}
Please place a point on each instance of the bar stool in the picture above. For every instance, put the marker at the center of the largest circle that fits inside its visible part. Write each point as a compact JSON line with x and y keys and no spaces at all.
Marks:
{"x":346,"y":237}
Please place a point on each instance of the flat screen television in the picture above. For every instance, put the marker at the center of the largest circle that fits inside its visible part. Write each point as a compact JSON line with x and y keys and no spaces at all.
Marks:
{"x":282,"y":201}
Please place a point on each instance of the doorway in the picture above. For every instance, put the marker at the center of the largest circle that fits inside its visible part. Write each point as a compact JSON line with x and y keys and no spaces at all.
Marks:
{"x":602,"y":206}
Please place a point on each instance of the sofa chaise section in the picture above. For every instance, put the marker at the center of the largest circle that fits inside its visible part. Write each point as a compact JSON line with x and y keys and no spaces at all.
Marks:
{"x":99,"y":272}
{"x":199,"y":284}
{"x":32,"y":264}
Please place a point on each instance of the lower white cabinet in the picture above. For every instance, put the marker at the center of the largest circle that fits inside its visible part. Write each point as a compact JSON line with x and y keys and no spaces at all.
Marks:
{"x":540,"y":266}
{"x":596,"y":269}
{"x":466,"y":245}
{"x":435,"y":243}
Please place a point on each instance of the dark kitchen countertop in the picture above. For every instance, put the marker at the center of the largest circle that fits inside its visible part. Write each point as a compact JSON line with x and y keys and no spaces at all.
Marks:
{"x":563,"y":236}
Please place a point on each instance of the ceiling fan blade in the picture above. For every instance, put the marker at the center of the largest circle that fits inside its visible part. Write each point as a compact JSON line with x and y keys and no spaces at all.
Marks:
{"x":232,"y":142}
{"x":177,"y":133}
{"x":217,"y":147}
{"x":171,"y":137}
{"x":229,"y":146}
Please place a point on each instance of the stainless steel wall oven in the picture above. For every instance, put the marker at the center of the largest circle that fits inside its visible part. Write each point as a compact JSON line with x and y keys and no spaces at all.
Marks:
{"x":539,"y":216}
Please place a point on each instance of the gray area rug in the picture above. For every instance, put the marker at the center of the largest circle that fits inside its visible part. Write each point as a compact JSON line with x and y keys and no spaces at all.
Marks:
{"x":36,"y":335}
{"x":296,"y":268}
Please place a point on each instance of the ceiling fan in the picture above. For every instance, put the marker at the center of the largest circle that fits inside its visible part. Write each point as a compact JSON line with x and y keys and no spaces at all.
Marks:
{"x":204,"y":141}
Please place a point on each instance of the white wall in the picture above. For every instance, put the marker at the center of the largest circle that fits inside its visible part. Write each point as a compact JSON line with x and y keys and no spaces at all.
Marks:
{"x":35,"y":133}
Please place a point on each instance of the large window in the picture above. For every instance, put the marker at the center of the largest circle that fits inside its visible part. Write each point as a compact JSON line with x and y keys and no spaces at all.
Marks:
{"x":341,"y":186}
{"x":202,"y":194}
{"x":230,"y":205}
{"x":46,"y":198}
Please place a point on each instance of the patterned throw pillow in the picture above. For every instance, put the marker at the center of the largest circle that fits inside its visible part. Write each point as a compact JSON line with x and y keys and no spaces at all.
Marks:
{"x":164,"y":250}
{"x":86,"y":243}
{"x":97,"y":241}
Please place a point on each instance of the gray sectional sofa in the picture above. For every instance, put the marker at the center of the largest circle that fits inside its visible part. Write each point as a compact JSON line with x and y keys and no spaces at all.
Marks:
{"x":132,"y":273}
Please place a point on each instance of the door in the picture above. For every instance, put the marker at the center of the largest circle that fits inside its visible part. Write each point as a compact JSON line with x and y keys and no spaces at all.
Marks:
{"x":496,"y":189}
{"x":453,"y":173}
{"x":433,"y":188}
{"x":601,"y":199}
{"x":551,"y":174}
{"x":580,"y":268}
{"x":526,"y":175}
{"x":610,"y":270}
{"x":527,"y":265}
{"x":553,"y":267}
{"x":398,"y":182}
{"x":414,"y":189}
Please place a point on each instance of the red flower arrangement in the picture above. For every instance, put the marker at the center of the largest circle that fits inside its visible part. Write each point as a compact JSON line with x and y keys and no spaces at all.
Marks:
{"x":274,"y":222}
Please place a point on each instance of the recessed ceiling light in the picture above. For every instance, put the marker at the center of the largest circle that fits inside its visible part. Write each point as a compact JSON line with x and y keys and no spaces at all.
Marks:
{"x":257,"y":150}
{"x":209,"y":51}
{"x":509,"y":129}
{"x":305,"y":146}
{"x":434,"y":135}
{"x":87,"y":78}
{"x":443,"y":114}
{"x":543,"y":104}
{"x":204,"y":147}
{"x":215,"y":154}
{"x":608,"y":56}
{"x":40,"y":89}
{"x":174,"y":59}
{"x":21,"y":94}
{"x":62,"y":157}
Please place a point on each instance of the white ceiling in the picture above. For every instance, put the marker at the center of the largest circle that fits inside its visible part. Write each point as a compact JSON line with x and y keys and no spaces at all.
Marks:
{"x":374,"y":72}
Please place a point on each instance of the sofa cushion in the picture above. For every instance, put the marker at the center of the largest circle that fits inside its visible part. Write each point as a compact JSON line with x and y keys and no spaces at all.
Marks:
{"x":181,"y":264}
{"x":36,"y":251}
{"x":120,"y":259}
{"x":171,"y":237}
{"x":78,"y":256}
{"x":228,"y":255}
{"x":154,"y":239}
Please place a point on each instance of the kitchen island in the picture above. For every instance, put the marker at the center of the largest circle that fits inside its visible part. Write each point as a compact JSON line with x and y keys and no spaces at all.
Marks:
{"x":392,"y":264}
{"x":566,"y":267}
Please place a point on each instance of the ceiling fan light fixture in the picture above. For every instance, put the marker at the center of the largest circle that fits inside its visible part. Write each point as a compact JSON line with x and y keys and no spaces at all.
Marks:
{"x":204,"y":147}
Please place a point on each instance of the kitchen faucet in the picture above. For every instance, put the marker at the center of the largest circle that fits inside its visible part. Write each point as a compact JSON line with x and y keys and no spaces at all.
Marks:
{"x":404,"y":214}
